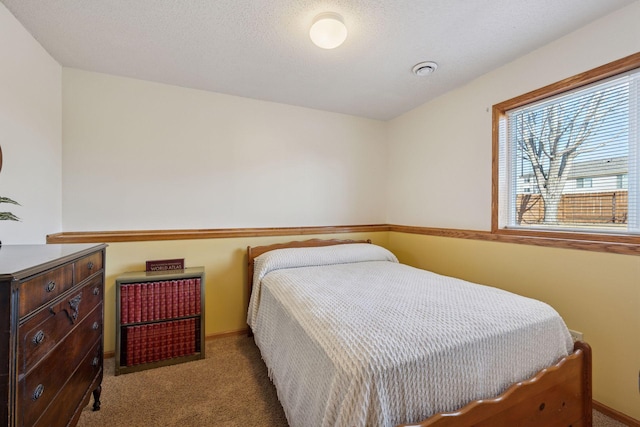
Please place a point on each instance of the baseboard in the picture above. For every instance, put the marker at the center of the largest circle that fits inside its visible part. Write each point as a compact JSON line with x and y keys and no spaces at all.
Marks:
{"x":618,"y":416}
{"x":217,"y":335}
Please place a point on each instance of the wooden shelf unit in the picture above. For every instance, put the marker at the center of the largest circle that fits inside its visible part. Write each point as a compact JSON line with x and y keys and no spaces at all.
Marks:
{"x":159,"y":318}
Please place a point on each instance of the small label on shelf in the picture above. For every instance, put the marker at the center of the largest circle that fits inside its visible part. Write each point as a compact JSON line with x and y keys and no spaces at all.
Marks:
{"x":165,"y":264}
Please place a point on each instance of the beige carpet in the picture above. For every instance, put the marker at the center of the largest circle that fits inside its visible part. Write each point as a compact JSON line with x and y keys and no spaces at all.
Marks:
{"x":228,"y":388}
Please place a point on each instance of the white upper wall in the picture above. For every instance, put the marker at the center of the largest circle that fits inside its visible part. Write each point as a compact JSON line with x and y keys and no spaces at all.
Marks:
{"x":440,"y":153}
{"x":30,"y":135}
{"x":140,"y":156}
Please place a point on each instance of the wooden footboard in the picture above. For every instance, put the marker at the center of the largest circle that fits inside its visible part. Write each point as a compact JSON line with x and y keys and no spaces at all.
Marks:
{"x":556,"y":396}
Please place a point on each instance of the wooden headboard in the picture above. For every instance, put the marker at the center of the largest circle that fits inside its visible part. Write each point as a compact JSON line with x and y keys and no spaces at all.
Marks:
{"x":253,"y":252}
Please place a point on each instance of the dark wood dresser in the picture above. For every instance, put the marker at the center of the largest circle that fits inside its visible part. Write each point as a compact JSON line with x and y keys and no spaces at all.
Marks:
{"x":51,"y":332}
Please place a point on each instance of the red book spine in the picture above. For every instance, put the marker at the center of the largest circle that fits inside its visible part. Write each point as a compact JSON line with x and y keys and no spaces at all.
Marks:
{"x":137,"y":303}
{"x":174,"y":298}
{"x":156,"y":300}
{"x":192,"y":297}
{"x":128,"y":358}
{"x":148,"y":350}
{"x":143,"y":343}
{"x":124,"y":305}
{"x":183,"y":337}
{"x":168,"y":341}
{"x":162,"y":303}
{"x":185,"y":297}
{"x":177,"y":340}
{"x":136,"y":344}
{"x":147,"y":353}
{"x":150,"y":301}
{"x":180,"y":298}
{"x":162,"y":333}
{"x":192,"y":336}
{"x":169,"y":294}
{"x":154,"y":356}
{"x":186,"y":337}
{"x":198,"y":290}
{"x":152,"y":342}
{"x":143,"y":303}
{"x":158,"y":327}
{"x":172,"y":339}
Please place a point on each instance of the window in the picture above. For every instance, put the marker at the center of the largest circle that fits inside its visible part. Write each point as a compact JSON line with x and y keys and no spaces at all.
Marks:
{"x":621,"y":181}
{"x":578,"y":144}
{"x":584,"y":182}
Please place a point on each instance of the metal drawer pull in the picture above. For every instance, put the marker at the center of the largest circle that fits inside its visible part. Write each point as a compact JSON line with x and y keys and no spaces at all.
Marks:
{"x":38,"y":337}
{"x":90,"y":265}
{"x":72,"y":310}
{"x":95,"y":325}
{"x":95,"y":361}
{"x":96,"y":291}
{"x":74,"y":305}
{"x":37,"y":392}
{"x":50,"y":286}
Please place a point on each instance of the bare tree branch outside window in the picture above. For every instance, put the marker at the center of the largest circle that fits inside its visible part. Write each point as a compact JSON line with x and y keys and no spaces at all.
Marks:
{"x":550,"y":138}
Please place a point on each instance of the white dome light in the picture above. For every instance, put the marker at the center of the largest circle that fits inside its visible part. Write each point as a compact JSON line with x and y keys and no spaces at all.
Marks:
{"x":328,"y":30}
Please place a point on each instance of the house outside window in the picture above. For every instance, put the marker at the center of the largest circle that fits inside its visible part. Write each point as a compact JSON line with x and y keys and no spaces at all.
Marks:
{"x":577,"y":144}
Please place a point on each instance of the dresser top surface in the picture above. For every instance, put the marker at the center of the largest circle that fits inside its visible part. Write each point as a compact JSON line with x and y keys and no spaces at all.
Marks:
{"x":19,"y":261}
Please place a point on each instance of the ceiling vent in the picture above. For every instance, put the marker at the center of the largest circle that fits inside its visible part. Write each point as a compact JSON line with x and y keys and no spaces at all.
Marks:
{"x":424,"y":68}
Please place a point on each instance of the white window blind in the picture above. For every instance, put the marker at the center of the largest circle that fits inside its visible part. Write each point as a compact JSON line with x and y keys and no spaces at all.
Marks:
{"x":571,"y":161}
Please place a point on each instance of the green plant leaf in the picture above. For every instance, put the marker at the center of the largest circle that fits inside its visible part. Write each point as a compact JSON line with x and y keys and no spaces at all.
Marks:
{"x":8,"y":200}
{"x":8,"y":216}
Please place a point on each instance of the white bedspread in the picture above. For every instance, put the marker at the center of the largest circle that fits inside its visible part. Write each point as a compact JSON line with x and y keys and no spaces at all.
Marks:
{"x":377,"y":343}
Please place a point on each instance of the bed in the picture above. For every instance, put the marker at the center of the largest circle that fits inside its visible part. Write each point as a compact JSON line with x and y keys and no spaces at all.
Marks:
{"x":351,"y":337}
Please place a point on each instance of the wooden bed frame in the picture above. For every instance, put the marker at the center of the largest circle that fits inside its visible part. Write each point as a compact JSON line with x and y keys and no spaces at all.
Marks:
{"x":557,"y":396}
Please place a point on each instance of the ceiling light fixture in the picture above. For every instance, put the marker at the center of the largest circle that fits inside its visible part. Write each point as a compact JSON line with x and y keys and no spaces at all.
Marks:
{"x":328,"y":30}
{"x":424,"y":68}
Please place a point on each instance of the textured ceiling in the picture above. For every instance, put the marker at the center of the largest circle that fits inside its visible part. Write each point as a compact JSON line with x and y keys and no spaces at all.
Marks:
{"x":260,"y":48}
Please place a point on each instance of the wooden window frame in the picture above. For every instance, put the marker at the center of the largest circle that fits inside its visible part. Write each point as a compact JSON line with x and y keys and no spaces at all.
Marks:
{"x":602,"y":242}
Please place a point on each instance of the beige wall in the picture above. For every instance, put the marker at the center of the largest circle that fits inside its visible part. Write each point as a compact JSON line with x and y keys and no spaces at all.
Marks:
{"x":140,"y":155}
{"x":30,"y":135}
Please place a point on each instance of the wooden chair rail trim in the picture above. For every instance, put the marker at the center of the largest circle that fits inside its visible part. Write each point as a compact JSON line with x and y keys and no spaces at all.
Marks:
{"x":619,"y":244}
{"x":625,"y":245}
{"x":216,"y":233}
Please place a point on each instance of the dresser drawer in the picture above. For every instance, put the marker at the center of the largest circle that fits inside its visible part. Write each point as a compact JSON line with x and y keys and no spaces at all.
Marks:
{"x":42,"y":289}
{"x":41,"y":385}
{"x":76,"y":390}
{"x":43,"y":331}
{"x":88,"y":265}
